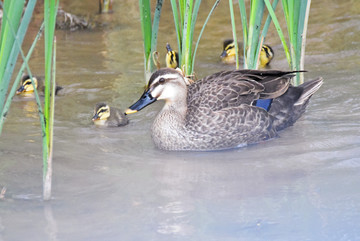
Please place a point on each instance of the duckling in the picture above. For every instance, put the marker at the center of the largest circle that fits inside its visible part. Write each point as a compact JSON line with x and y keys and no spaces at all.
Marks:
{"x":109,"y":116}
{"x":172,"y":58}
{"x":266,"y":55}
{"x":218,"y":111}
{"x":228,"y":55}
{"x":27,"y":89}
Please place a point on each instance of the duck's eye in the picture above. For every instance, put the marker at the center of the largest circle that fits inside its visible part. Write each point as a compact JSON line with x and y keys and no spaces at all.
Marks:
{"x":161,"y":80}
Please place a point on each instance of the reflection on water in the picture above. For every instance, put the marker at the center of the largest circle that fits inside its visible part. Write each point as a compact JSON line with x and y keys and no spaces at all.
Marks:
{"x":113,"y":184}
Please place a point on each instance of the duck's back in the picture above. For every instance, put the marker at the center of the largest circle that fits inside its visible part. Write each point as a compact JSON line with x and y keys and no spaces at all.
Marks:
{"x":232,"y":88}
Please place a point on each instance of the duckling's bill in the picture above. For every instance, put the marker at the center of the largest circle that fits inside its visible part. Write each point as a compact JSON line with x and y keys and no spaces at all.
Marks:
{"x":96,"y":117}
{"x":20,"y":90}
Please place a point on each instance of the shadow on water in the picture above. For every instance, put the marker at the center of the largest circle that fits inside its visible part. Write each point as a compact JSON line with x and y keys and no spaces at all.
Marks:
{"x":113,"y":184}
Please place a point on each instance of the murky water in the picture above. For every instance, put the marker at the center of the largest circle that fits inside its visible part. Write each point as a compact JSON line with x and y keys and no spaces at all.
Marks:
{"x":113,"y":184}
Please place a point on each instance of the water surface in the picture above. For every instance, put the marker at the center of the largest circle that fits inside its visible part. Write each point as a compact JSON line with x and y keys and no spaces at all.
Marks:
{"x":113,"y":184}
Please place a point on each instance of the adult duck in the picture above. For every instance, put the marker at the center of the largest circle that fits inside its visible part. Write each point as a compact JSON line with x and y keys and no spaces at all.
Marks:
{"x":219,"y":112}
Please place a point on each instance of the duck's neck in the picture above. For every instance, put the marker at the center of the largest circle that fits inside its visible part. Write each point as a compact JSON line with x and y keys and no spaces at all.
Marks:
{"x":169,"y":125}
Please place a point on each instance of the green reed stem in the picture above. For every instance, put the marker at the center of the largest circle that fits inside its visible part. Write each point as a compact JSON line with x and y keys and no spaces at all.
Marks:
{"x":12,"y":37}
{"x":233,"y":25}
{"x":304,"y":21}
{"x":145,"y":15}
{"x":17,"y":79}
{"x":256,"y":14}
{"x":47,"y":179}
{"x":50,"y":12}
{"x":245,"y":29}
{"x":150,"y":32}
{"x":155,"y":29}
{"x":278,"y":29}
{"x":177,"y":23}
{"x":12,"y":11}
{"x":187,"y":41}
{"x":201,"y":32}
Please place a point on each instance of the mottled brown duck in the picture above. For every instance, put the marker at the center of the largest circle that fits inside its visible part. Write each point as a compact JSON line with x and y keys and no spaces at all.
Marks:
{"x":219,"y":112}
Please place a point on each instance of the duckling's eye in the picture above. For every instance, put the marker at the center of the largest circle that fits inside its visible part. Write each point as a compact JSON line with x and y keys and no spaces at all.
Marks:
{"x":161,"y":80}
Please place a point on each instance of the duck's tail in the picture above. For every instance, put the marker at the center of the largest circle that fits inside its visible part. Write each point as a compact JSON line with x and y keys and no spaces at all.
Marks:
{"x":309,"y":88}
{"x":289,"y":107}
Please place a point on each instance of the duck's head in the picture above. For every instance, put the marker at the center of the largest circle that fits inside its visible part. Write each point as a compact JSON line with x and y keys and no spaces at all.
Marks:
{"x":101,"y":113}
{"x":229,"y":54}
{"x":172,"y":58}
{"x":26,"y":85}
{"x":165,"y":84}
{"x":266,"y":55}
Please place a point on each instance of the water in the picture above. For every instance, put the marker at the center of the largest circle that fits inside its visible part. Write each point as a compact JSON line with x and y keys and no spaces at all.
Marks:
{"x":113,"y":184}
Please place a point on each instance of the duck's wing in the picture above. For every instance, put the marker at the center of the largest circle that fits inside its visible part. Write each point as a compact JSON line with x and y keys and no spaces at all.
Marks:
{"x":232,"y":88}
{"x":275,"y":82}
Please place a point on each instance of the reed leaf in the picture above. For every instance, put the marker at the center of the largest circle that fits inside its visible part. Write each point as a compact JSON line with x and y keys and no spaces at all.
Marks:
{"x":233,"y":25}
{"x":244,"y":27}
{"x":303,"y":24}
{"x":155,"y":29}
{"x":187,"y":41}
{"x":278,"y":29}
{"x":18,"y":78}
{"x":12,"y":14}
{"x":256,"y":14}
{"x":178,"y":25}
{"x":50,"y":11}
{"x":201,"y":32}
{"x":11,"y":39}
{"x":146,"y":28}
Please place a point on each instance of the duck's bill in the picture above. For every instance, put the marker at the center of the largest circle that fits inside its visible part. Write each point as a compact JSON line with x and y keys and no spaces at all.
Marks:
{"x":20,"y":90}
{"x":145,"y":100}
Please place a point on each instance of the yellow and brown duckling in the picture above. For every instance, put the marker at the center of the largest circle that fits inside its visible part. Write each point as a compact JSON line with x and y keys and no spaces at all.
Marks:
{"x":105,"y":115}
{"x":27,"y":88}
{"x":266,"y":55}
{"x":228,"y":55}
{"x":219,"y":111}
{"x":172,"y":58}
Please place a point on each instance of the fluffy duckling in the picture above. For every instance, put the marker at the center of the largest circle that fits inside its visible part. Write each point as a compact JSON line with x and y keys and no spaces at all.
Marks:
{"x":27,"y":89}
{"x":228,"y":55}
{"x":266,"y":55}
{"x":171,"y":58}
{"x":219,"y":112}
{"x":109,"y":116}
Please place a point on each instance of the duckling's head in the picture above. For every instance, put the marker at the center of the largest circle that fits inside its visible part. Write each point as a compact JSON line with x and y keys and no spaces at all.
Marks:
{"x":228,"y":55}
{"x":26,"y":85}
{"x":165,"y":84}
{"x":172,"y":58}
{"x":101,"y":113}
{"x":266,"y":55}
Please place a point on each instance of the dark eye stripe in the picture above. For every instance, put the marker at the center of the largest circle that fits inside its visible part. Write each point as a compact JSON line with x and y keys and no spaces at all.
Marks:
{"x":267,"y":52}
{"x":230,"y":47}
{"x":101,"y":110}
